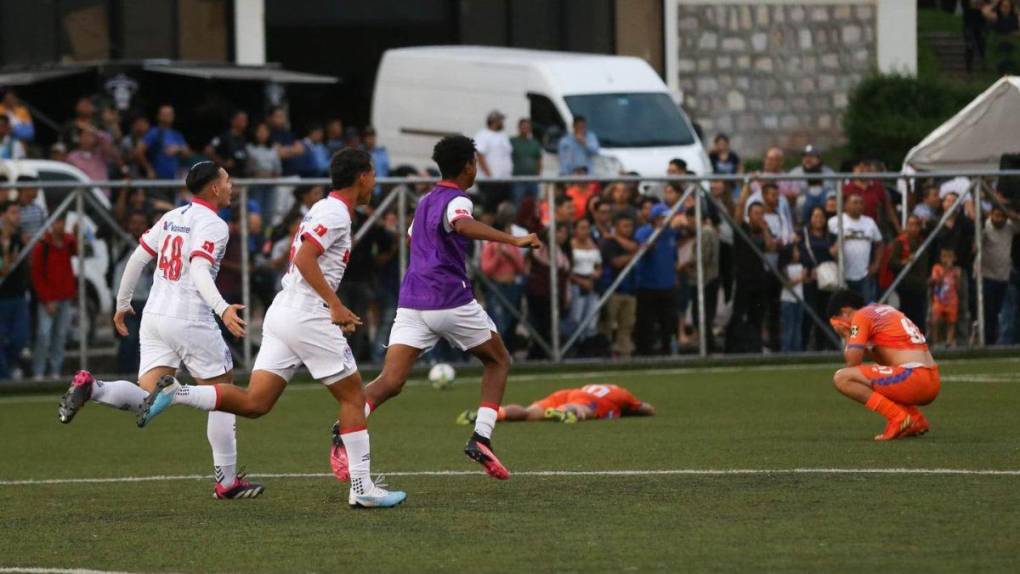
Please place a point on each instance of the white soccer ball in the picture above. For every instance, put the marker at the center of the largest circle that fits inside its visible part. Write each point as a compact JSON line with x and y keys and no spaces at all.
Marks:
{"x":441,"y":375}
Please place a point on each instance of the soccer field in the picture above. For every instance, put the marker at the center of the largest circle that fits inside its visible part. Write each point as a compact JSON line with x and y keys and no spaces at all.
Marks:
{"x":743,"y":468}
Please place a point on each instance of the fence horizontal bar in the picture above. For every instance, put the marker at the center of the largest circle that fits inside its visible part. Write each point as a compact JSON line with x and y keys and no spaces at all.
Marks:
{"x":176,"y":183}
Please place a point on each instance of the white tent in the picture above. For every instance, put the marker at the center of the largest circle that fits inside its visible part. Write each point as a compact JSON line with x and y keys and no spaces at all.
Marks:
{"x":977,"y":136}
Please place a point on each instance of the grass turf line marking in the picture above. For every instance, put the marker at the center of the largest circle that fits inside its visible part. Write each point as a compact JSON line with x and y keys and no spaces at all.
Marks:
{"x":34,"y":570}
{"x":545,"y":473}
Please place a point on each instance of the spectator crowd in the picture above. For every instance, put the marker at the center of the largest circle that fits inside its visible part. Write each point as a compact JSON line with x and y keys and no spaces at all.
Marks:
{"x":769,"y":248}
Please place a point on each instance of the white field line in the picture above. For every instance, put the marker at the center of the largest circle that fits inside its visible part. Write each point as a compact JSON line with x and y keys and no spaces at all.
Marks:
{"x":547,"y":473}
{"x":977,"y":378}
{"x":33,"y":570}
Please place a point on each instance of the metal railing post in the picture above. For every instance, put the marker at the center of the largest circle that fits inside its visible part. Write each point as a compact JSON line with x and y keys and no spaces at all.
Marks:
{"x":83,"y":316}
{"x":979,"y":275}
{"x":245,"y":277}
{"x":402,"y":229}
{"x":554,"y":283}
{"x":841,"y":266}
{"x":702,"y":336}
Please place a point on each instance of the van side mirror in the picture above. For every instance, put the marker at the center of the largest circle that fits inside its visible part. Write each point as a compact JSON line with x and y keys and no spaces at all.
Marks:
{"x":551,"y":139}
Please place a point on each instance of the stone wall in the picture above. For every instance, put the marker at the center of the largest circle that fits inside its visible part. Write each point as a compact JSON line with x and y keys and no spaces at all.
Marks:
{"x":776,"y":73}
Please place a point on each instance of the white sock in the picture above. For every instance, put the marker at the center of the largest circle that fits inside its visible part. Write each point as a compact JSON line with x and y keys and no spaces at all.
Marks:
{"x":202,"y":397}
{"x":359,"y":459}
{"x":123,"y":395}
{"x":485,"y":421}
{"x":221,"y":432}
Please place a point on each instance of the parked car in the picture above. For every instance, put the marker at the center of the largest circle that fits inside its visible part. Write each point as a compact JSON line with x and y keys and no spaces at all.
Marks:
{"x":95,"y":250}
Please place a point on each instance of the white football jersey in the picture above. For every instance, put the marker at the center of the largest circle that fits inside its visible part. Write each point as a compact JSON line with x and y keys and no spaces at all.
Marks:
{"x":328,"y":226}
{"x":193,"y":230}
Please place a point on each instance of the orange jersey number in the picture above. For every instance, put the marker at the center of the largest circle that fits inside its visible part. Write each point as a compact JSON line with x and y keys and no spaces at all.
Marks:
{"x":884,"y":326}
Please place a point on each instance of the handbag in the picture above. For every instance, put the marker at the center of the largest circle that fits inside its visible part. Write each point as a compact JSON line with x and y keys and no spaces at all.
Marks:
{"x":826,"y":273}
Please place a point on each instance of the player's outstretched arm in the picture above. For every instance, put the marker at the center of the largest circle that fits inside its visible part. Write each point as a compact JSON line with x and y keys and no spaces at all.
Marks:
{"x":307,"y":262}
{"x":201,"y":276}
{"x":473,"y":229}
{"x":128,"y":281}
{"x":643,"y":410}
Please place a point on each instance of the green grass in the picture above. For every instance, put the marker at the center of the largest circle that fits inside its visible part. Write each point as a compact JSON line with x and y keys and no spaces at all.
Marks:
{"x":731,"y":418}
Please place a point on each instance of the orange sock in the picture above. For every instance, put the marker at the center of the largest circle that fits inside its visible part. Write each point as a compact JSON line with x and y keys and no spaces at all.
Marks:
{"x":912,"y":410}
{"x":501,"y":414}
{"x":883,"y":406}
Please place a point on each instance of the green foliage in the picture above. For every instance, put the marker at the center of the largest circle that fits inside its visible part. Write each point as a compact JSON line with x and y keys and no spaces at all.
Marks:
{"x":889,"y":114}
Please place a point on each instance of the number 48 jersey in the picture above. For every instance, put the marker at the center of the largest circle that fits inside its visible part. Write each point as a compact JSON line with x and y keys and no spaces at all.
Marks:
{"x":193,"y":230}
{"x":884,"y":326}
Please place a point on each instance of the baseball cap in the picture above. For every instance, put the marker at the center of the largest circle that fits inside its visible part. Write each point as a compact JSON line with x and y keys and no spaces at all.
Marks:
{"x":812,"y":150}
{"x":659,"y":209}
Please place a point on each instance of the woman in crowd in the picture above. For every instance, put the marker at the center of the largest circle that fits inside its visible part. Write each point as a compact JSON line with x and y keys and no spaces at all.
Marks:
{"x":586,"y":267}
{"x":818,"y":243}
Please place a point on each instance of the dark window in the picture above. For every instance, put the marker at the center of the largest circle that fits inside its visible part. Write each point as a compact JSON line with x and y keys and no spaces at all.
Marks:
{"x":546,"y":121}
{"x":632,"y":120}
{"x":148,"y":29}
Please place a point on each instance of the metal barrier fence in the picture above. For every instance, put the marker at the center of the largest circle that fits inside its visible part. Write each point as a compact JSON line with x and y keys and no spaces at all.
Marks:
{"x":402,"y":191}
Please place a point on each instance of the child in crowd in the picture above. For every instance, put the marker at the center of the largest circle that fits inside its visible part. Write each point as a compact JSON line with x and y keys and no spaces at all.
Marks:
{"x":945,"y":306}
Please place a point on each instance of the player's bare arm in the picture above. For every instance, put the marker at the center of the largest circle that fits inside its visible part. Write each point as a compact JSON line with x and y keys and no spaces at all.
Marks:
{"x":129,"y":280}
{"x":307,"y":262}
{"x":473,"y":229}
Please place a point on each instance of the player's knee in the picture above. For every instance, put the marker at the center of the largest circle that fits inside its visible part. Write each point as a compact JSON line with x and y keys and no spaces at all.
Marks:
{"x":840,"y":380}
{"x":257,"y":408}
{"x":499,"y":359}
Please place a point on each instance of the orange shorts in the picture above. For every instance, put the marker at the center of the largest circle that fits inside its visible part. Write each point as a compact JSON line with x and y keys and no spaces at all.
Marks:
{"x":565,"y":397}
{"x":947,"y":313}
{"x":555,"y":400}
{"x":904,"y":384}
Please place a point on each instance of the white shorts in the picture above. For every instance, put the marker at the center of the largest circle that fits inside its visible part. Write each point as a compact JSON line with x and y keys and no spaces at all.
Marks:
{"x":294,"y":336}
{"x":169,"y":341}
{"x":466,"y":327}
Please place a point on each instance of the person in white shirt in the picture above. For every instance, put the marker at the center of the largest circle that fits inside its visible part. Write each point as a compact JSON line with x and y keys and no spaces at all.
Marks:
{"x":862,"y":243}
{"x":178,"y":324}
{"x":495,"y":160}
{"x":305,"y":325}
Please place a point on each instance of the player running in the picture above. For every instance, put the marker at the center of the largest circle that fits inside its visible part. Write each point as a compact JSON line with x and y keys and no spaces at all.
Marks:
{"x":177,"y":323}
{"x":572,"y":405}
{"x":906,"y":375}
{"x":437,"y":300}
{"x":303,"y":326}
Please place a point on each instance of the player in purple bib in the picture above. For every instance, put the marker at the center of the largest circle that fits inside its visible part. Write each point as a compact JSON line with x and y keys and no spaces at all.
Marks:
{"x":436,"y":298}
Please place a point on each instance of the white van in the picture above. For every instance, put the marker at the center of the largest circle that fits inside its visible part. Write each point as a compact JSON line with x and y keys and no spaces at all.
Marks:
{"x":423,"y":94}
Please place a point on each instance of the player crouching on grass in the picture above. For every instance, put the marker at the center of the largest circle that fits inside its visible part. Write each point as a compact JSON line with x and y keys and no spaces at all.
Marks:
{"x":905,"y":376}
{"x":572,"y":405}
{"x":306,"y":325}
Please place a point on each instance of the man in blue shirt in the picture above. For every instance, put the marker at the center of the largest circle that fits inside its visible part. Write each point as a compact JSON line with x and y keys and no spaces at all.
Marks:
{"x":656,"y":286}
{"x":617,"y":252}
{"x":380,"y":157}
{"x":162,"y":148}
{"x":578,"y":148}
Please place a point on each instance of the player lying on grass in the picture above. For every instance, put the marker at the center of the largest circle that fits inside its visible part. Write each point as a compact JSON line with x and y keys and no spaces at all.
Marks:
{"x":437,"y":300}
{"x":303,"y":326}
{"x":905,"y":376}
{"x":572,"y":405}
{"x":177,"y":323}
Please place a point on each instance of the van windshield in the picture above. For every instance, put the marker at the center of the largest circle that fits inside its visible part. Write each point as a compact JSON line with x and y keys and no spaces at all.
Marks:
{"x":632,"y":120}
